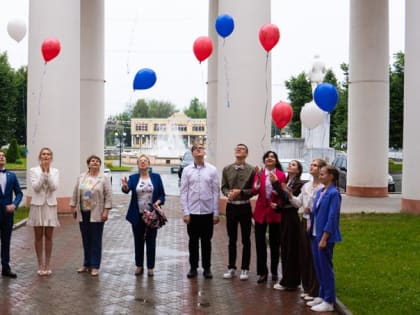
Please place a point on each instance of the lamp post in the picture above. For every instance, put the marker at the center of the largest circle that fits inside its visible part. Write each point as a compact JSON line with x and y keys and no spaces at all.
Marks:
{"x":121,"y":138}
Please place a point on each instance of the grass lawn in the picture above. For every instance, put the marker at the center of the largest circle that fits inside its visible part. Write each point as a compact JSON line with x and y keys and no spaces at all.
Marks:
{"x":20,"y":214}
{"x":377,"y":266}
{"x":21,"y":165}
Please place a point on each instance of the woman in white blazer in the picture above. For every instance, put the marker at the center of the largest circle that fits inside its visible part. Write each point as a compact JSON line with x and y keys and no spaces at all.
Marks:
{"x":91,"y":202}
{"x":43,"y":211}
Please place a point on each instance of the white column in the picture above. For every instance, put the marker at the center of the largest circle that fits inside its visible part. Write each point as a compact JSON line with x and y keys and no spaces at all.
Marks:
{"x":410,"y":193}
{"x":92,"y":102}
{"x":368,"y":115}
{"x":54,"y":91}
{"x":212,"y":87}
{"x":245,"y":121}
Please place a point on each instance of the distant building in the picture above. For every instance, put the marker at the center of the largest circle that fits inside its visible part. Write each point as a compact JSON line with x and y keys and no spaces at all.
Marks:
{"x":175,"y":133}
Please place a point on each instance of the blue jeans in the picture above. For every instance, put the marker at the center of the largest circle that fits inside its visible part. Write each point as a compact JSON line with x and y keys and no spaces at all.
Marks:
{"x":92,"y":240}
{"x":141,"y":235}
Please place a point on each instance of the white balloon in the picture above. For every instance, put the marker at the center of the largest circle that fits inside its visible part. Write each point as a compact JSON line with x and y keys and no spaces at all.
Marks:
{"x":311,"y":115}
{"x":16,"y":29}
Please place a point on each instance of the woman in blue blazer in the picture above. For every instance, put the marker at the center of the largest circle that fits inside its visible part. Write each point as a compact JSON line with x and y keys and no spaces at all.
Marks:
{"x":146,"y":191}
{"x":325,"y":233}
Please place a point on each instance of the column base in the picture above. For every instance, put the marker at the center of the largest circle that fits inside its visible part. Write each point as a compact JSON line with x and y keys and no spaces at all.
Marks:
{"x":367,"y":191}
{"x":410,"y":206}
{"x":63,"y":204}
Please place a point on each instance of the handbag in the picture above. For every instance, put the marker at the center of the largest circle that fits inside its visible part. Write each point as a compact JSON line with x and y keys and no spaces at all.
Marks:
{"x":154,"y":217}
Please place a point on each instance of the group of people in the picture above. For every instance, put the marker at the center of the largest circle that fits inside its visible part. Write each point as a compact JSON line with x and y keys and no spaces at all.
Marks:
{"x":90,"y":202}
{"x":303,"y":245}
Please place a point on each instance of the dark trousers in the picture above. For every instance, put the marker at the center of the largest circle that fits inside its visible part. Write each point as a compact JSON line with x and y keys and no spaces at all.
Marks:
{"x":242,"y":215}
{"x":261,"y":246}
{"x":289,"y":244}
{"x":6,"y":227}
{"x":142,"y":235}
{"x":199,"y":229}
{"x":324,"y":270}
{"x":92,"y":240}
{"x":307,"y":270}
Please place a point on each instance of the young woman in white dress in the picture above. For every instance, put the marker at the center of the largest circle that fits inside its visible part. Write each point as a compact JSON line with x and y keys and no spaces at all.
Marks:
{"x":43,"y":211}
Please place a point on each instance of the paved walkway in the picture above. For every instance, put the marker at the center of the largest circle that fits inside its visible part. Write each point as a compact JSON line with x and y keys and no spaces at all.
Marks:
{"x":118,"y":291}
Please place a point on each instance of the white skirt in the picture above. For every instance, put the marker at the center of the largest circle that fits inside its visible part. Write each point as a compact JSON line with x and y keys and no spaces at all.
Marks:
{"x":44,"y":215}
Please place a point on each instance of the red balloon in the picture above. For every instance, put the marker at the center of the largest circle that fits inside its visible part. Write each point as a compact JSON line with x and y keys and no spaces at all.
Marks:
{"x":269,"y":36}
{"x":50,"y":48}
{"x":281,"y":114}
{"x":203,"y":47}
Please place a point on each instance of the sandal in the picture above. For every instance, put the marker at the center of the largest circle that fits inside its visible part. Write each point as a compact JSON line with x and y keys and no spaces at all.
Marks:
{"x":48,"y":272}
{"x":94,"y":273}
{"x":40,"y":273}
{"x":83,"y":269}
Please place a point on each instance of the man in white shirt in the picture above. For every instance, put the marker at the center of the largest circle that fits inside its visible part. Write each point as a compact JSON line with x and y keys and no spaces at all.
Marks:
{"x":200,"y":194}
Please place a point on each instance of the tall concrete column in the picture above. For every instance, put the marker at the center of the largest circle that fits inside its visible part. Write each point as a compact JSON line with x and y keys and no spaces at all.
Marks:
{"x":238,"y":74}
{"x":410,"y":201}
{"x":54,"y":91}
{"x":368,"y":114}
{"x":212,"y":86}
{"x":92,"y":95}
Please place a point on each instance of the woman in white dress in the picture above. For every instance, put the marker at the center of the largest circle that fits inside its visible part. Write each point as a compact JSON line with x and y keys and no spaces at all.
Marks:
{"x":43,"y":211}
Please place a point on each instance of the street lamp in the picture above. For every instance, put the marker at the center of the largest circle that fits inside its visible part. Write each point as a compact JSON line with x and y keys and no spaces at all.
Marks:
{"x":121,"y":138}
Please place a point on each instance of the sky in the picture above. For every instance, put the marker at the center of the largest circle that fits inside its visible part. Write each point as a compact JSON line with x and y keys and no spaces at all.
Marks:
{"x":159,"y":35}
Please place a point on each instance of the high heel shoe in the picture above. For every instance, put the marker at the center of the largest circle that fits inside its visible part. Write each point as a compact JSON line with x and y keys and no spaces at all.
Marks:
{"x":262,"y":278}
{"x":83,"y":269}
{"x":94,"y":272}
{"x":150,"y":272}
{"x":139,"y":271}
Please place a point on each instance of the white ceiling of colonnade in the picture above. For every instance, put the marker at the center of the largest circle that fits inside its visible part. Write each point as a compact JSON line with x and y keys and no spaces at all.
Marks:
{"x":159,"y":34}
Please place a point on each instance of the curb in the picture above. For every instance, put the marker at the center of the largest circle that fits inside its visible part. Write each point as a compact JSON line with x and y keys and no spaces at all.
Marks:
{"x":340,"y":308}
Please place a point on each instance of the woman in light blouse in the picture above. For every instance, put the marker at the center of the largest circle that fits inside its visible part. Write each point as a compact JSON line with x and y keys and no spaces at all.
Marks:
{"x":91,"y":202}
{"x":146,"y":191}
{"x":43,"y":210}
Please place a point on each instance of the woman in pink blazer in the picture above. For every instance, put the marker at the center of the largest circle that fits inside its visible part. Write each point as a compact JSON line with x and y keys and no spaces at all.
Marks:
{"x":43,"y":211}
{"x":264,"y":215}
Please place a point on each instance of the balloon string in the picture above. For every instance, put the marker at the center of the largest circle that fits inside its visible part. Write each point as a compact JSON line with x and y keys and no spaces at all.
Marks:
{"x":130,"y":43}
{"x":266,"y":103}
{"x":204,"y":83}
{"x":38,"y":113}
{"x":225,"y":63}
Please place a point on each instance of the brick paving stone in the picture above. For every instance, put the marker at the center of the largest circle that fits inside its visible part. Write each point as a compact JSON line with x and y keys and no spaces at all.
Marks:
{"x":118,"y":291}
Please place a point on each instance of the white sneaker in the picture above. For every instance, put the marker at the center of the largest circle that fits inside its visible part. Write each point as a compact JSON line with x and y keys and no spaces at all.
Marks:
{"x":229,"y":274}
{"x":303,"y":295}
{"x":315,"y":301}
{"x":323,"y":307}
{"x":308,"y":298}
{"x":244,"y":274}
{"x":278,"y":286}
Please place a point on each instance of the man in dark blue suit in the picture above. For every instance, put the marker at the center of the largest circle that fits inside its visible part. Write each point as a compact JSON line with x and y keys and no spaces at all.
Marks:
{"x":8,"y":185}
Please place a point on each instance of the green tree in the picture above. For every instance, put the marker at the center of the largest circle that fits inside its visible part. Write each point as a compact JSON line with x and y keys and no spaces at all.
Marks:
{"x":196,"y":109}
{"x":158,"y":109}
{"x":12,"y":154}
{"x":21,"y":105}
{"x":338,"y":126}
{"x":300,"y":93}
{"x":9,"y":94}
{"x":396,"y":101}
{"x":140,"y":109}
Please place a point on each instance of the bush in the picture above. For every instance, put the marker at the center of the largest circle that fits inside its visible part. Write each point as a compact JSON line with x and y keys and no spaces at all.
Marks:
{"x":12,"y":154}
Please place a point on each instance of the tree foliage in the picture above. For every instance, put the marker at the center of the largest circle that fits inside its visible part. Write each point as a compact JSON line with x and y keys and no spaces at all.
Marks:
{"x":196,"y":109}
{"x":396,"y":101}
{"x":300,"y":93}
{"x":12,"y":102}
{"x":13,"y":154}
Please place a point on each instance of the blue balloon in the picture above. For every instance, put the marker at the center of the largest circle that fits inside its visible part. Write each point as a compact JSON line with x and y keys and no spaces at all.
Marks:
{"x":224,"y":25}
{"x":145,"y":78}
{"x":326,"y":97}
